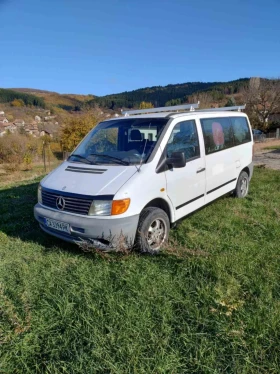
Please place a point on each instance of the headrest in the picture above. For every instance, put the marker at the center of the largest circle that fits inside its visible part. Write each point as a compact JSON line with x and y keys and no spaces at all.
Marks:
{"x":186,"y":128}
{"x":135,"y":135}
{"x":180,"y":137}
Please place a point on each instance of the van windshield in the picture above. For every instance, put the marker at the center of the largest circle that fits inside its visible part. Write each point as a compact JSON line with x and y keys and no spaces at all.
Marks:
{"x":124,"y":141}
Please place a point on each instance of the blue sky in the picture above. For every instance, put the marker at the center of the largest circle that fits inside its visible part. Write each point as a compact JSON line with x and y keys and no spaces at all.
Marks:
{"x":101,"y":47}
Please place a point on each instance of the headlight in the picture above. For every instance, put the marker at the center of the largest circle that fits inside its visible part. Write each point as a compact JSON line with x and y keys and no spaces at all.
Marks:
{"x":108,"y":207}
{"x":100,"y":208}
{"x":39,"y":194}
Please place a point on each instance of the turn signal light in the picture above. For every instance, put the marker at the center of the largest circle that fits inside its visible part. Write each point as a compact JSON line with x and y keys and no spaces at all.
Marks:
{"x":119,"y":206}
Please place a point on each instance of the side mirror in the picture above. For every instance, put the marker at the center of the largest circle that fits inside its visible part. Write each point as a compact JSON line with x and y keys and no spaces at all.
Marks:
{"x":177,"y":160}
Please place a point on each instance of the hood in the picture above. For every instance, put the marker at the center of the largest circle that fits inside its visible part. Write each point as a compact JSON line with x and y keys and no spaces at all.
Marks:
{"x":88,"y":179}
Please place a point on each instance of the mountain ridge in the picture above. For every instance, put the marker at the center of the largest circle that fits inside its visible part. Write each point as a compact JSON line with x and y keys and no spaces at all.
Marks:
{"x":171,"y":94}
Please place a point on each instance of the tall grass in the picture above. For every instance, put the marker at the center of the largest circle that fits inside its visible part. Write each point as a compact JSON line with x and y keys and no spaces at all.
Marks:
{"x":213,"y":308}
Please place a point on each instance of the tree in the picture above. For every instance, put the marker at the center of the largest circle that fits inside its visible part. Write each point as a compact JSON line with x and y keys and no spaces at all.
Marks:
{"x":75,"y":129}
{"x":262,"y":97}
{"x":205,"y":99}
{"x":16,"y":149}
{"x":231,"y":102}
{"x":17,"y":103}
{"x":145,"y":105}
{"x":173,"y":102}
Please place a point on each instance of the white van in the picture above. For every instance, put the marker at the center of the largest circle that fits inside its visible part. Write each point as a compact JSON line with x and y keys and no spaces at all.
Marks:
{"x":132,"y":177}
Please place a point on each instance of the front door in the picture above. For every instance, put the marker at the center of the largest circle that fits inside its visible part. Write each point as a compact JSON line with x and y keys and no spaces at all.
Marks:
{"x":186,"y":186}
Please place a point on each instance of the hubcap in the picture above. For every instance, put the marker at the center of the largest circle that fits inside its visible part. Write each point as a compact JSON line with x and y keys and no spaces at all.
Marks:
{"x":244,"y":186}
{"x":156,"y":233}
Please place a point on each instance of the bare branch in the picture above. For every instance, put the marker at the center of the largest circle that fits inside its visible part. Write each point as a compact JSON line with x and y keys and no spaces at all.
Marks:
{"x":262,"y":97}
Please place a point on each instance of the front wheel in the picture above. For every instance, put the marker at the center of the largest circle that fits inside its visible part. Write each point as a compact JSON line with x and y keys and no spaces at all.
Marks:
{"x":153,"y":229}
{"x":242,"y":185}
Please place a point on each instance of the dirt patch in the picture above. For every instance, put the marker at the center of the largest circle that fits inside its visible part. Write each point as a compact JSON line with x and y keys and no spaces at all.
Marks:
{"x":259,"y":147}
{"x":267,"y":154}
{"x":269,"y":159}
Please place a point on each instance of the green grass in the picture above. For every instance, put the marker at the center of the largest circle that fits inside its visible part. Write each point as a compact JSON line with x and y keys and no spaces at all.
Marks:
{"x":272,"y":147}
{"x":213,"y":309}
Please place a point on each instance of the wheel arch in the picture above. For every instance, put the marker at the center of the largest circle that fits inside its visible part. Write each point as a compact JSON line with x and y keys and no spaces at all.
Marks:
{"x":161,"y":204}
{"x":247,"y":170}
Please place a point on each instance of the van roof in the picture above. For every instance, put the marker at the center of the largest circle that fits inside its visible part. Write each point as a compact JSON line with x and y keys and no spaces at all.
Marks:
{"x":200,"y":114}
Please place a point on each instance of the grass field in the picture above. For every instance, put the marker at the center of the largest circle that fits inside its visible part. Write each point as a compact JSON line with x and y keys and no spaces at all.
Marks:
{"x":22,"y":174}
{"x":212,"y":308}
{"x":272,"y":147}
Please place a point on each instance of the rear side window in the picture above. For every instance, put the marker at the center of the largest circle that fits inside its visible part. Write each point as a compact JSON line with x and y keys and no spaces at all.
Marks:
{"x":224,"y":133}
{"x":217,"y":134}
{"x":241,"y":130}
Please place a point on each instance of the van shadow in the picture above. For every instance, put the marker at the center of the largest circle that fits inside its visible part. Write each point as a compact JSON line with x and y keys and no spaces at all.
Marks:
{"x":275,"y":152}
{"x":17,"y":219}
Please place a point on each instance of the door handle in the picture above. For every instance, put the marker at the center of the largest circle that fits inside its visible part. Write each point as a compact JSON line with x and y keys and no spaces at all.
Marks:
{"x":200,"y":170}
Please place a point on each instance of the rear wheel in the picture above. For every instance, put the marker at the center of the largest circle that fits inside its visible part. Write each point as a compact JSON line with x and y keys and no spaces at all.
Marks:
{"x":242,"y":186}
{"x":152,"y":231}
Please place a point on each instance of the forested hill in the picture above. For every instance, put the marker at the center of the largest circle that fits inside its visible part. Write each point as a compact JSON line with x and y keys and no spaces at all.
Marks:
{"x":171,"y":94}
{"x":9,"y":96}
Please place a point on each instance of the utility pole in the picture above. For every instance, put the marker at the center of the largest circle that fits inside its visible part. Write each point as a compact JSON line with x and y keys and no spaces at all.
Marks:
{"x":44,"y":156}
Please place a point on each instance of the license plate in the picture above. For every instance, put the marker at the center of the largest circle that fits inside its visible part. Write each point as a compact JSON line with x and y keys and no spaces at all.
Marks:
{"x":57,"y":225}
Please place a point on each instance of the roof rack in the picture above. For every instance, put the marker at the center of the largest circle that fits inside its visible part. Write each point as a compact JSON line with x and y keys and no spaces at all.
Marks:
{"x":226,"y":108}
{"x":175,"y":108}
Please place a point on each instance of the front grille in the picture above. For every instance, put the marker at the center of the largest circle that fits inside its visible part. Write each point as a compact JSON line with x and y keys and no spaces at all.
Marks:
{"x":72,"y":204}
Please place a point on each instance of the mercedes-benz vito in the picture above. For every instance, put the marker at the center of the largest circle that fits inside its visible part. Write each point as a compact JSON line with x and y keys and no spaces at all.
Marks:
{"x":134,"y":176}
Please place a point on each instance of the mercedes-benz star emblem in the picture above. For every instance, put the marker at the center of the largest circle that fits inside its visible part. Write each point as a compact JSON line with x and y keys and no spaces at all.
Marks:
{"x":60,"y":203}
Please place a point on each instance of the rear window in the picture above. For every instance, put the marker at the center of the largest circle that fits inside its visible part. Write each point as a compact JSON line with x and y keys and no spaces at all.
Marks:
{"x":241,"y":131}
{"x":223,"y":133}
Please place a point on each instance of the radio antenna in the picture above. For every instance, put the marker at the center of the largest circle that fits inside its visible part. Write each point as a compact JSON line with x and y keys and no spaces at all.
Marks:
{"x":142,"y":156}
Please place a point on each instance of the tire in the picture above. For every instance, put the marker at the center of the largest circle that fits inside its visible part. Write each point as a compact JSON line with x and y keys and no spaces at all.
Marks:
{"x":242,"y":185}
{"x":153,"y":230}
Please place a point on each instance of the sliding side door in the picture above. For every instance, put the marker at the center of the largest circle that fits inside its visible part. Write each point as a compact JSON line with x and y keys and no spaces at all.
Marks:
{"x":220,"y":157}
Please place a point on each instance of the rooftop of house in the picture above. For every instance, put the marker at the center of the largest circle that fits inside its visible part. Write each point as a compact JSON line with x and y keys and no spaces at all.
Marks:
{"x":46,"y":131}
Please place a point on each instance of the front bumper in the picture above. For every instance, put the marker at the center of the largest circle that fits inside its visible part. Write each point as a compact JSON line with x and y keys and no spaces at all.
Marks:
{"x":102,"y":233}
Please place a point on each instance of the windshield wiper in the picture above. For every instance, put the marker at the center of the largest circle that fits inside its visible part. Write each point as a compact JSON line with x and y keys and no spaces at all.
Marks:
{"x":111,"y":157}
{"x":81,"y":157}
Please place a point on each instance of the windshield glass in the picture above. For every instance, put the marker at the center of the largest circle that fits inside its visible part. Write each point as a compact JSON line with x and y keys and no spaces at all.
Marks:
{"x":124,"y":141}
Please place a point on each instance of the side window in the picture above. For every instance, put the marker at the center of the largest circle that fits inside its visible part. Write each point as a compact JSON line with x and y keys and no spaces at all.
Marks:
{"x":184,"y":139}
{"x":217,"y":134}
{"x":241,"y":130}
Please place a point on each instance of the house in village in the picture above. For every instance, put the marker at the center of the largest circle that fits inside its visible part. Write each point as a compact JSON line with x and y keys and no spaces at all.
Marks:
{"x":11,"y":127}
{"x":32,"y":129}
{"x":3,"y":120}
{"x":2,"y":113}
{"x":46,"y":132}
{"x":2,"y":129}
{"x":275,"y":117}
{"x":19,"y":122}
{"x":7,"y":127}
{"x":49,"y":118}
